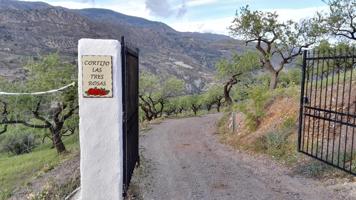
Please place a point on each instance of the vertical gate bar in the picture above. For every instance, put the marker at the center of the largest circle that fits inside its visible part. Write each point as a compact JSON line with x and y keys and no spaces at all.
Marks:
{"x":348,"y":111}
{"x":353,"y":128}
{"x":342,"y":105}
{"x":302,"y":101}
{"x":320,"y":83}
{"x":311,"y":67}
{"x":325,"y":97}
{"x":125,"y":165}
{"x":325,"y":107}
{"x":315,"y":102}
{"x":320,"y":106}
{"x":305,"y":92}
{"x":352,"y":142}
{"x":330,"y":105}
{"x":137,"y":105}
{"x":337,"y":99}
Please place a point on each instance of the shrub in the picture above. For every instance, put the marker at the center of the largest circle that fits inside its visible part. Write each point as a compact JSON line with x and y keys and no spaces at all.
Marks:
{"x":280,"y":142}
{"x":18,"y":143}
{"x":276,"y":140}
{"x":5,"y":194}
{"x":290,"y":77}
{"x":255,"y":106}
{"x":289,"y":123}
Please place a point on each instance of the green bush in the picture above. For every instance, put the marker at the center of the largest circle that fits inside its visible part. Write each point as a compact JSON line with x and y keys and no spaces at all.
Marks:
{"x":276,"y":143}
{"x":18,"y":143}
{"x":5,"y":194}
{"x":255,"y":106}
{"x":290,"y":77}
{"x":289,"y":123}
{"x":286,"y":78}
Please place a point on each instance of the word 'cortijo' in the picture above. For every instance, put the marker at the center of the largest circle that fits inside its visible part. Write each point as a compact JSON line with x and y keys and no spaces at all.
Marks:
{"x":97,"y":63}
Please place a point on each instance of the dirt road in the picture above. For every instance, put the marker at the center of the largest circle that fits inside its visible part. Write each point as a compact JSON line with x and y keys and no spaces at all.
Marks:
{"x":183,"y":160}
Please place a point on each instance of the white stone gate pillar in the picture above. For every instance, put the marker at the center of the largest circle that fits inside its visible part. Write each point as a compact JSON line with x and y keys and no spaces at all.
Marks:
{"x":100,"y":126}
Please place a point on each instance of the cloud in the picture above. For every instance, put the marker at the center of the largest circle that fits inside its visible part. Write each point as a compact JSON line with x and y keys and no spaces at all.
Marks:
{"x":194,"y":3}
{"x":166,"y":8}
{"x":175,"y":12}
{"x":297,"y":14}
{"x":182,"y":10}
{"x":218,"y":26}
{"x":159,"y":8}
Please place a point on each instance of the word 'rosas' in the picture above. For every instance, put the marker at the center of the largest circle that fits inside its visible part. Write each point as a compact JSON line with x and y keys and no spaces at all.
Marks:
{"x":97,"y":63}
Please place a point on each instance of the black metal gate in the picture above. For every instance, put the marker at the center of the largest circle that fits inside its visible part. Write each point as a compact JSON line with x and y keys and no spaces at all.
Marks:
{"x":130,"y":77}
{"x":328,"y":106}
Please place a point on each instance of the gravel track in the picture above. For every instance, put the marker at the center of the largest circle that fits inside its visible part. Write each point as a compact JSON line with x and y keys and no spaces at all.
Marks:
{"x":182,"y":159}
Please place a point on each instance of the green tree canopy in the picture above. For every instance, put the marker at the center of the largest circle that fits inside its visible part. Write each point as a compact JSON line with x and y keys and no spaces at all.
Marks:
{"x":235,"y":70}
{"x":49,"y":111}
{"x":341,"y":18}
{"x":213,"y":96}
{"x":154,"y":95}
{"x":272,"y":38}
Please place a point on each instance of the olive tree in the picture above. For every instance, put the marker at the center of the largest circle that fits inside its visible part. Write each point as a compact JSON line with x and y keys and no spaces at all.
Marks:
{"x":52,"y":112}
{"x":340,"y":20}
{"x":234,"y":70}
{"x":214,"y":96}
{"x":154,"y":95}
{"x":195,"y":102}
{"x":274,"y":39}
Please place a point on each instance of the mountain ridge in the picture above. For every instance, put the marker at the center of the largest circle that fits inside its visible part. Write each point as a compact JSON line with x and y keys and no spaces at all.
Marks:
{"x":31,"y":29}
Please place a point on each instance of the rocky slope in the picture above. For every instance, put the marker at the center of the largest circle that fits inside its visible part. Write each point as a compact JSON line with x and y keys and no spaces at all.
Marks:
{"x":29,"y":30}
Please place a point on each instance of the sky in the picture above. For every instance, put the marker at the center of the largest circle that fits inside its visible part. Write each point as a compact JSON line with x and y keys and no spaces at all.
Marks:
{"x":212,"y":16}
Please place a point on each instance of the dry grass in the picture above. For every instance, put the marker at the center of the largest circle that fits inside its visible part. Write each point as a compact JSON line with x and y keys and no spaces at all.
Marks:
{"x":276,"y":136}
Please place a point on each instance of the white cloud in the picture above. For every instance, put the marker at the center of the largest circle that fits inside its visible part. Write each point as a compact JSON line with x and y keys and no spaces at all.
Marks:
{"x":193,"y":3}
{"x":213,"y":25}
{"x":297,"y":14}
{"x":219,"y":26}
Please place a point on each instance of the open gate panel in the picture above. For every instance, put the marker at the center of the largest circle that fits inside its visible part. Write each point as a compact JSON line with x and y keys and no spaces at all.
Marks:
{"x":328,"y":108}
{"x":130,"y":78}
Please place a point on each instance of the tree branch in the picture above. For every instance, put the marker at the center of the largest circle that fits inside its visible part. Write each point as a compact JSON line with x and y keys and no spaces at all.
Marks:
{"x":70,"y":112}
{"x":36,"y":114}
{"x":70,"y":130}
{"x":5,"y":121}
{"x":4,"y":129}
{"x":46,"y":136}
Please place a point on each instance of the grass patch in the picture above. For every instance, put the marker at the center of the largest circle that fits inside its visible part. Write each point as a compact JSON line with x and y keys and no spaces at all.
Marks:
{"x":280,"y":143}
{"x":254,"y":108}
{"x":53,"y":191}
{"x":313,"y":169}
{"x":222,"y":124}
{"x":18,"y":170}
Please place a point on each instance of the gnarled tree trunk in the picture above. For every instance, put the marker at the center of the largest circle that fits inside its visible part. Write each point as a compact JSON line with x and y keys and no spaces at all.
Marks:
{"x":57,"y":142}
{"x":274,"y":80}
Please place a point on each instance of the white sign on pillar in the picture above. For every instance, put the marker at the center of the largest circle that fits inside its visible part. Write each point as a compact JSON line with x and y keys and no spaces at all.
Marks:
{"x":100,"y":126}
